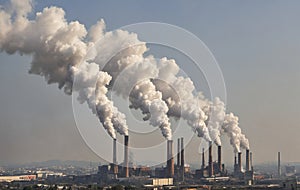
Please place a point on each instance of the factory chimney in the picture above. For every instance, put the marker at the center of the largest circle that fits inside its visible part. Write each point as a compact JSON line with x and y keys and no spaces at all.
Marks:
{"x":114,"y":166}
{"x":279,"y":165}
{"x":178,"y":152}
{"x":220,"y":158}
{"x":126,"y":140}
{"x":115,"y":151}
{"x":247,"y":160}
{"x":210,"y":162}
{"x":170,"y":160}
{"x":182,"y":159}
{"x":203,"y":159}
{"x":251,"y":163}
{"x":240,"y":161}
{"x":235,"y":159}
{"x":182,"y":153}
{"x":235,"y":163}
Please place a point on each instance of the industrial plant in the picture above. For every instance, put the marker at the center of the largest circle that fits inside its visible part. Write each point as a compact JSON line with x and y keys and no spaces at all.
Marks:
{"x":93,"y":64}
{"x":212,"y":172}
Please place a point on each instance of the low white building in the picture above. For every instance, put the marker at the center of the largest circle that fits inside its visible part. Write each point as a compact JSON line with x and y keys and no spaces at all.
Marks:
{"x":17,"y":178}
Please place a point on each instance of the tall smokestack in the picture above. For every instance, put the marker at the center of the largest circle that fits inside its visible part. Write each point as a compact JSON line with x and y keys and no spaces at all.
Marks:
{"x":210,"y":162}
{"x":247,"y":160}
{"x":170,"y":160}
{"x":240,"y":161}
{"x":220,"y":158}
{"x":251,"y":163}
{"x":203,"y":159}
{"x":182,"y":153}
{"x":235,"y":163}
{"x":178,"y":152}
{"x":126,"y":140}
{"x":279,"y":165}
{"x":114,"y":164}
{"x":235,"y":159}
{"x":115,"y":151}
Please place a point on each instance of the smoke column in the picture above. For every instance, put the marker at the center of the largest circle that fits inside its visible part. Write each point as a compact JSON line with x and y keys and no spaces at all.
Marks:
{"x":231,"y":128}
{"x":221,"y":123}
{"x":182,"y":103}
{"x":100,"y":61}
{"x":58,"y":52}
{"x":120,"y":54}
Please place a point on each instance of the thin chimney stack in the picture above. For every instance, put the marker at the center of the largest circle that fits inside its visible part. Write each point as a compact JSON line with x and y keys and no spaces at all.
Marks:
{"x":182,"y":153}
{"x":126,"y":142}
{"x":178,"y":152}
{"x":247,"y":160}
{"x":170,"y":160}
{"x":279,"y":164}
{"x":203,"y":159}
{"x":251,"y":163}
{"x":220,"y":158}
{"x":210,"y":161}
{"x":115,"y":151}
{"x":240,"y":161}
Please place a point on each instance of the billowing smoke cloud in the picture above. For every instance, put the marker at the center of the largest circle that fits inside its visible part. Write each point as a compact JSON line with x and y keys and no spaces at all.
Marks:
{"x":58,"y":50}
{"x":231,"y":128}
{"x":219,"y":123}
{"x":215,"y":111}
{"x":182,"y":103}
{"x":95,"y":61}
{"x":120,"y":54}
{"x":91,"y":85}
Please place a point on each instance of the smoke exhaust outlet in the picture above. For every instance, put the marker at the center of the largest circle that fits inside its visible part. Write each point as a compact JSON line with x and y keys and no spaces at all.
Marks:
{"x":247,"y":160}
{"x":203,"y":159}
{"x":126,"y":141}
{"x":178,"y":152}
{"x":115,"y":151}
{"x":220,"y":158}
{"x":210,"y":162}
{"x":240,"y":161}
{"x":182,"y":153}
{"x":170,"y":160}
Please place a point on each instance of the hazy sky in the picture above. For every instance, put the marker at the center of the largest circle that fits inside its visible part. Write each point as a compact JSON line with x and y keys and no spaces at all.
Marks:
{"x":256,"y":44}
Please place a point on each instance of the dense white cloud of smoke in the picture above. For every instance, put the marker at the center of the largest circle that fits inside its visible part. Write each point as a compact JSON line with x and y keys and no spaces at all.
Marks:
{"x":58,"y":49}
{"x":95,"y":61}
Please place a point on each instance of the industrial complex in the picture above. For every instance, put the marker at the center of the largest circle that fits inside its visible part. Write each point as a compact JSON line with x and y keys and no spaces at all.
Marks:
{"x":175,"y":173}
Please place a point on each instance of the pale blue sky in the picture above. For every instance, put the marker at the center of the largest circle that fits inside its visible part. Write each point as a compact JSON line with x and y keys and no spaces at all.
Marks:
{"x":256,"y":44}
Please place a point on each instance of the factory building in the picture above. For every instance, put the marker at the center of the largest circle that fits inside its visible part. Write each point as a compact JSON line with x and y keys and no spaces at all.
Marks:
{"x":17,"y":178}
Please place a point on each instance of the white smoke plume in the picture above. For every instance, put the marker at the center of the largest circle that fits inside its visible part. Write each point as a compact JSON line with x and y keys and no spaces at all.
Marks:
{"x":234,"y":132}
{"x":219,"y":123}
{"x":213,"y":114}
{"x":182,"y":103}
{"x":115,"y":61}
{"x":120,"y":54}
{"x":216,"y":112}
{"x":58,"y":51}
